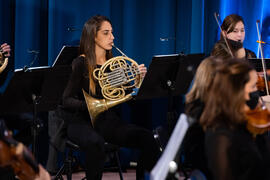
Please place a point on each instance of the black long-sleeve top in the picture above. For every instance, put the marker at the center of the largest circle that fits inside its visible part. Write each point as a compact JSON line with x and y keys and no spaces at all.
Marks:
{"x":224,"y":52}
{"x":73,"y":99}
{"x":79,"y":79}
{"x":235,"y":154}
{"x":193,"y":144}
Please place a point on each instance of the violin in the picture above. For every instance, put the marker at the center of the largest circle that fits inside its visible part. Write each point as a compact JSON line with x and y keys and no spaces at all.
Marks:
{"x":15,"y":155}
{"x":261,"y":81}
{"x":258,"y":120}
{"x":261,"y":85}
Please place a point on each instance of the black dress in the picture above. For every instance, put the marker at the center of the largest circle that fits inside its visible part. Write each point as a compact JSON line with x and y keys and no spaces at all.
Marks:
{"x":108,"y":126}
{"x":221,"y":50}
{"x":193,"y":143}
{"x":235,"y":154}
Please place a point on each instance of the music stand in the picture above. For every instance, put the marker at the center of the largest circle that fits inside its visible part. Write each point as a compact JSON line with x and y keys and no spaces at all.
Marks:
{"x":66,"y":55}
{"x":257,"y":63}
{"x":168,"y":162}
{"x":35,"y":90}
{"x":169,"y":76}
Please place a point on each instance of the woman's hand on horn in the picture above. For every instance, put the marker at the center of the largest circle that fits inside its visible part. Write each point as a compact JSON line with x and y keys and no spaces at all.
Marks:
{"x":142,"y":69}
{"x":6,"y":49}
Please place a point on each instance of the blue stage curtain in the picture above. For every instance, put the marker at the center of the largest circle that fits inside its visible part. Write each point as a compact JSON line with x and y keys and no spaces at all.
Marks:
{"x":142,"y":28}
{"x":30,"y":45}
{"x":251,"y":11}
{"x":37,"y":30}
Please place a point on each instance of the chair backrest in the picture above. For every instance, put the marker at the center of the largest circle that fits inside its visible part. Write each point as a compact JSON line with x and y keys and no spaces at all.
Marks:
{"x":162,"y":168}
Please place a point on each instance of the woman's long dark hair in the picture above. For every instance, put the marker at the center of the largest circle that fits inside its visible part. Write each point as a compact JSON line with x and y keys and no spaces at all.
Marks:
{"x":226,"y":97}
{"x":230,"y":22}
{"x":220,"y":49}
{"x":87,"y":46}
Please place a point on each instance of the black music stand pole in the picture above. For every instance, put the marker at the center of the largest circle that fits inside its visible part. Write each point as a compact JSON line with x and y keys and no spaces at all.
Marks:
{"x":160,"y":82}
{"x":23,"y":95}
{"x":36,"y":126}
{"x":36,"y":90}
{"x":169,"y":76}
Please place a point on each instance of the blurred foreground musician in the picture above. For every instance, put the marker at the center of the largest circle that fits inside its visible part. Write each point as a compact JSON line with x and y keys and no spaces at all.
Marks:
{"x":14,"y":121}
{"x":235,"y":148}
{"x":14,"y":156}
{"x":193,"y":144}
{"x":16,"y":161}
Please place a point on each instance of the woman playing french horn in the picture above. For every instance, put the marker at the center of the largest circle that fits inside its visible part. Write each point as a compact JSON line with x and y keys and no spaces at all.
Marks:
{"x":95,"y":49}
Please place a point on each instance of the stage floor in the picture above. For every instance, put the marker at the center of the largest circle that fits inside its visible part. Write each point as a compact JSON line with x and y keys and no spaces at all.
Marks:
{"x":129,"y":175}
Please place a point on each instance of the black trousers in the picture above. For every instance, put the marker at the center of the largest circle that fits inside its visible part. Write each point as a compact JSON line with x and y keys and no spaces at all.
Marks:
{"x":91,"y":144}
{"x":115,"y":131}
{"x":110,"y":128}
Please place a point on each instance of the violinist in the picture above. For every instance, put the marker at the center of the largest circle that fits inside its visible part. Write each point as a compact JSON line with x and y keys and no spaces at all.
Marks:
{"x":15,"y":159}
{"x":232,"y":31}
{"x":233,"y":152}
{"x":193,"y":143}
{"x":11,"y":162}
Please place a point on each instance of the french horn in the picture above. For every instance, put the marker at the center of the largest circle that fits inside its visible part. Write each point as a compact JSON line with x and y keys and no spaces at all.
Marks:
{"x":115,"y":77}
{"x":3,"y":61}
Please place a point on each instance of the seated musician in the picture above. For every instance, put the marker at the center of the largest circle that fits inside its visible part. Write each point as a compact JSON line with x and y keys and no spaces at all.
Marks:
{"x":95,"y":48}
{"x":15,"y":159}
{"x":193,"y":144}
{"x":233,"y":148}
{"x":233,"y":29}
{"x":20,"y":122}
{"x":6,"y":171}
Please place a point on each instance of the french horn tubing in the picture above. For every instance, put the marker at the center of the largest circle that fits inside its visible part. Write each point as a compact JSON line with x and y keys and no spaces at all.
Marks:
{"x":115,"y":77}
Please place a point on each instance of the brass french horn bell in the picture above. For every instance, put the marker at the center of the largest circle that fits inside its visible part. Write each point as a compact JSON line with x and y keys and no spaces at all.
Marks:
{"x":116,"y":76}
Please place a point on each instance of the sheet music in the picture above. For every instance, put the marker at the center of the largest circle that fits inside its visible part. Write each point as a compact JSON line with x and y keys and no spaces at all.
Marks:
{"x":31,"y":68}
{"x":58,"y":55}
{"x":66,"y":55}
{"x":166,"y":55}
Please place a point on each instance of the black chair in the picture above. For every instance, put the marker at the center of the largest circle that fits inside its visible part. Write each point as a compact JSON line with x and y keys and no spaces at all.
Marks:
{"x":66,"y":168}
{"x":112,"y":152}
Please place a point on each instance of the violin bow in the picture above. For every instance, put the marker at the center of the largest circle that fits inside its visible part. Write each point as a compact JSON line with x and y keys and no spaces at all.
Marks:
{"x":225,"y":39}
{"x":262,"y":58}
